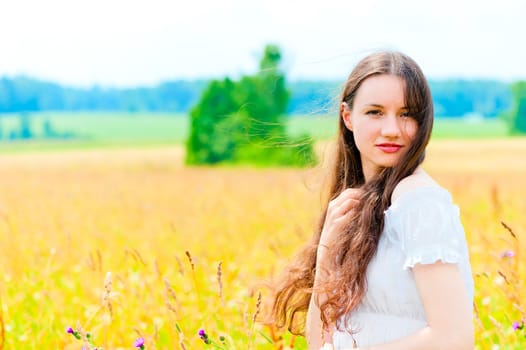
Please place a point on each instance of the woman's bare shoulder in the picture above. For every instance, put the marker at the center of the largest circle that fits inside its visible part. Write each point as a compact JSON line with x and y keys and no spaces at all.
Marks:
{"x":418,"y":179}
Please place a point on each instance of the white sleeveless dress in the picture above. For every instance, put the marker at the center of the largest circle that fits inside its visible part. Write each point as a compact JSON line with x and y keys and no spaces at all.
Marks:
{"x":422,"y":226}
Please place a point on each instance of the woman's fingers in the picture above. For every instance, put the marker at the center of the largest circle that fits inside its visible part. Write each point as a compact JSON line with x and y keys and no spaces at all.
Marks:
{"x":353,"y":193}
{"x":344,"y":202}
{"x":338,"y":211}
{"x":346,"y":206}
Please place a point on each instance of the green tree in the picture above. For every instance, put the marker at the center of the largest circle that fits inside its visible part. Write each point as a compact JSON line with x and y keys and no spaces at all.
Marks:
{"x":206,"y":143}
{"x":244,"y":122}
{"x":518,"y":116}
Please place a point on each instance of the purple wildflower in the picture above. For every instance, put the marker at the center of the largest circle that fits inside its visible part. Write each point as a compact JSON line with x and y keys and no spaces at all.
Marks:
{"x":204,"y":337}
{"x":507,"y":254}
{"x":73,"y":332}
{"x":516,"y":325}
{"x":139,"y":343}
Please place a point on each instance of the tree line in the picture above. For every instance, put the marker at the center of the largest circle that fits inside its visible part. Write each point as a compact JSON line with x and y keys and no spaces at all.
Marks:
{"x":24,"y":94}
{"x":453,"y":98}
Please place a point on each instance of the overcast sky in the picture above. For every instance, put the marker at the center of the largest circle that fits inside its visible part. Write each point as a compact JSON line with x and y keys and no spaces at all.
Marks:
{"x":142,"y":42}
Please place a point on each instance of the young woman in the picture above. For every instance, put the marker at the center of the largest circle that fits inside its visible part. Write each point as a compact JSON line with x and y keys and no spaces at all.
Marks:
{"x":388,"y":267}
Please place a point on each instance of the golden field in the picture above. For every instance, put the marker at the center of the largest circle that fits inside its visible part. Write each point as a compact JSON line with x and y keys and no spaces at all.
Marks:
{"x":123,"y":244}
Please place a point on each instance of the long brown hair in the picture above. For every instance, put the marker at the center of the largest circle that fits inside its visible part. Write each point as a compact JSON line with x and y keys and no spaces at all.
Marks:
{"x":356,"y":245}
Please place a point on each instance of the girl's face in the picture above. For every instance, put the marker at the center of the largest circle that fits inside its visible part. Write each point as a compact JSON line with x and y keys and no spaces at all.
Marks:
{"x":379,"y":120}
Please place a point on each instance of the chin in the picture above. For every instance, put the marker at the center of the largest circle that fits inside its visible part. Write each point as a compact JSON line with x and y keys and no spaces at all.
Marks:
{"x":388,"y":164}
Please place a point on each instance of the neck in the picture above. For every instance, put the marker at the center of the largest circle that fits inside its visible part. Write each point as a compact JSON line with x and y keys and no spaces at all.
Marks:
{"x":369,"y":173}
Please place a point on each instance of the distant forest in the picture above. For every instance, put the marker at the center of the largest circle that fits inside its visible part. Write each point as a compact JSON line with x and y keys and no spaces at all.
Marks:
{"x":453,"y":98}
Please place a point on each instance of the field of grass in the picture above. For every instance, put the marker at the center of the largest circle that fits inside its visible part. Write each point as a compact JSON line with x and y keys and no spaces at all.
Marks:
{"x":128,"y":243}
{"x":103,"y":130}
{"x":97,"y":130}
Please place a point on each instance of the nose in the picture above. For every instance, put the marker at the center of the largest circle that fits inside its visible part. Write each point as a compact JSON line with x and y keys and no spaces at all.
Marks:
{"x":391,"y":127}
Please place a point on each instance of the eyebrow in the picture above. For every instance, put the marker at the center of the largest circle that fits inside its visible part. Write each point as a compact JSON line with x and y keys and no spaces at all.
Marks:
{"x":380,"y":106}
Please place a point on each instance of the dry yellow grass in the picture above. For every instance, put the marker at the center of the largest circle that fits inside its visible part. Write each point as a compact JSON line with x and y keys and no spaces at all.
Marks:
{"x":68,"y":219}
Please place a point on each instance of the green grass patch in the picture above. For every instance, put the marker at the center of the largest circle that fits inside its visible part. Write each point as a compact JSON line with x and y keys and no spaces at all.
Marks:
{"x":93,"y":130}
{"x":319,"y":127}
{"x":102,"y":130}
{"x":465,"y":128}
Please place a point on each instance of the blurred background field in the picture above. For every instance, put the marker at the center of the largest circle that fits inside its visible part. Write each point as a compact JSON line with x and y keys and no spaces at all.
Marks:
{"x":70,"y":218}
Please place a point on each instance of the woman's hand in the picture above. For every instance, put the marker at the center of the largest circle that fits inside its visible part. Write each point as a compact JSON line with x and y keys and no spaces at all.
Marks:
{"x":337,"y":217}
{"x":338,"y":212}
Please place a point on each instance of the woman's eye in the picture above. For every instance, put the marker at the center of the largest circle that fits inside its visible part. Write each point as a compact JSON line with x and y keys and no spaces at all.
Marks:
{"x":405,"y":115}
{"x":373,"y":112}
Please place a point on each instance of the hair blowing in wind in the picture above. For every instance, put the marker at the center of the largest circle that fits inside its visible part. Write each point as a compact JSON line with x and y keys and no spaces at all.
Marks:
{"x":355,"y":245}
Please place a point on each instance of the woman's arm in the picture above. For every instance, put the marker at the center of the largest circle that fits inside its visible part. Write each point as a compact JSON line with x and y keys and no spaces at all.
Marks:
{"x":447,"y":309}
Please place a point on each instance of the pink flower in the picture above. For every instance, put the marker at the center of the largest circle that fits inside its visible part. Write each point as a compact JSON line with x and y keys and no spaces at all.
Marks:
{"x":507,"y":254}
{"x":204,"y":337}
{"x":139,"y":343}
{"x":517,"y":325}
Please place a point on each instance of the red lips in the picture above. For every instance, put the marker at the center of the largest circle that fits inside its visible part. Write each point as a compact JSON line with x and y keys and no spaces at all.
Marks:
{"x":389,"y":147}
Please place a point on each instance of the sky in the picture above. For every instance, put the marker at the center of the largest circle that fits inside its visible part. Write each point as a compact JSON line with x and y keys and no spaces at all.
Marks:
{"x":143,"y":42}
